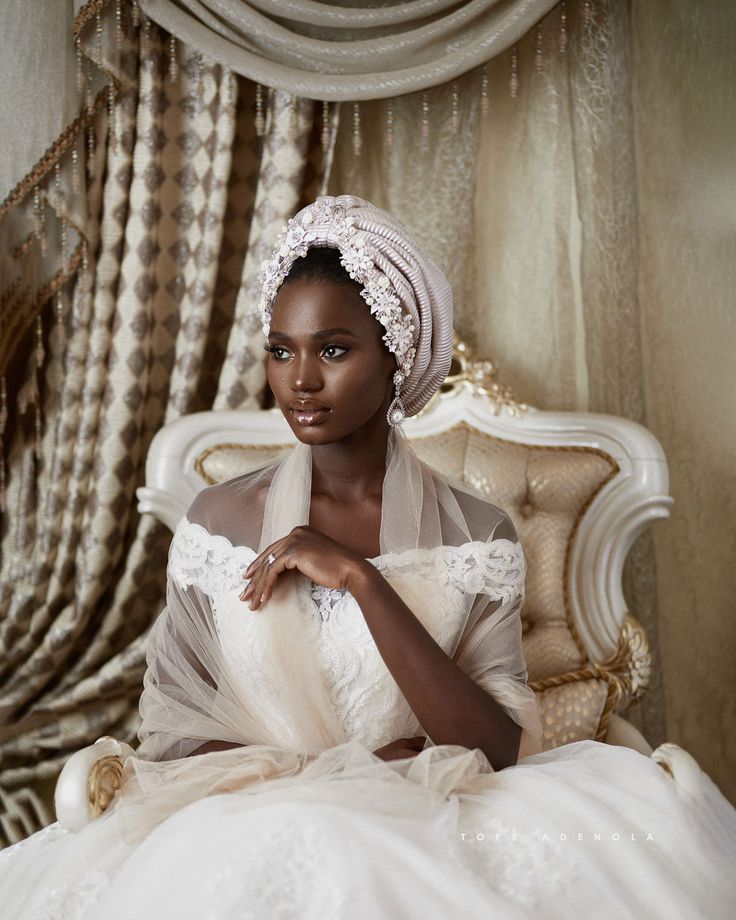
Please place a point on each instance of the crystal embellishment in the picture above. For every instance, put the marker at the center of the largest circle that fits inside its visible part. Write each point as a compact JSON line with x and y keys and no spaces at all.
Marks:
{"x":358,"y":257}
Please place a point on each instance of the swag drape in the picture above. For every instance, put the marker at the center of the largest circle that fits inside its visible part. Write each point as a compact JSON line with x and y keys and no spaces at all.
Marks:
{"x":338,"y":53}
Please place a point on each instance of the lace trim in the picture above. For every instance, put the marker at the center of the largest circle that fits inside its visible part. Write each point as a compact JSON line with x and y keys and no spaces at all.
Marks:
{"x":326,"y":599}
{"x":208,"y":561}
{"x":214,"y":564}
{"x":496,"y":568}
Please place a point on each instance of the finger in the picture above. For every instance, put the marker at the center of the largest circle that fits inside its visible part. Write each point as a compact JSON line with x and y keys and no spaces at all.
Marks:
{"x":266,"y":578}
{"x":256,"y":569}
{"x":255,"y":589}
{"x":262,"y":557}
{"x":270,"y":574}
{"x":252,"y":590}
{"x":276,"y":548}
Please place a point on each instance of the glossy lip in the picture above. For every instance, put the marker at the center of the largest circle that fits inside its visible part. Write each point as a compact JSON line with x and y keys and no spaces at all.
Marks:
{"x":307,"y":412}
{"x":308,"y":405}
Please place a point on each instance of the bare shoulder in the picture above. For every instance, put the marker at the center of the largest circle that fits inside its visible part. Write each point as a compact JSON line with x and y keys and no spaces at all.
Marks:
{"x":218,"y":502}
{"x":485,"y":520}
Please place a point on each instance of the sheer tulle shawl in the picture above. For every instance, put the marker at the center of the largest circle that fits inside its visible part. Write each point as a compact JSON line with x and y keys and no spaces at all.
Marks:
{"x":431,"y":528}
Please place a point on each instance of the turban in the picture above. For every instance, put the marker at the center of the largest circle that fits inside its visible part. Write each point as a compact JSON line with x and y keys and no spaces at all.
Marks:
{"x":405,"y":290}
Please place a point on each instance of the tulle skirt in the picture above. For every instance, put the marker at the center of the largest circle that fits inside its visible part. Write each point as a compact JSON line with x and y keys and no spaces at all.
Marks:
{"x":587,"y":829}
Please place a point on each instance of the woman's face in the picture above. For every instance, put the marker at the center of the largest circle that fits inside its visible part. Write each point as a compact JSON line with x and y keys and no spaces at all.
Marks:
{"x":329,"y":370}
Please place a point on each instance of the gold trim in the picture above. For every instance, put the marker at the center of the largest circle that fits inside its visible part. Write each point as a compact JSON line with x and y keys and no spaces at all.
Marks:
{"x":201,"y":459}
{"x":630,"y":666}
{"x":591,"y":672}
{"x":19,"y":307}
{"x":33,"y":303}
{"x":68,"y":136}
{"x":478,"y":375}
{"x":55,"y":152}
{"x":105,"y":779}
{"x":89,"y":10}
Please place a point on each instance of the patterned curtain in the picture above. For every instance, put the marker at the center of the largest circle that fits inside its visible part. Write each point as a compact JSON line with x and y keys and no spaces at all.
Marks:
{"x":184,"y":198}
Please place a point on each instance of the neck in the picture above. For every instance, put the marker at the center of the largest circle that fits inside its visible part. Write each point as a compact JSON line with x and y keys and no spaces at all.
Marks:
{"x":351,"y":469}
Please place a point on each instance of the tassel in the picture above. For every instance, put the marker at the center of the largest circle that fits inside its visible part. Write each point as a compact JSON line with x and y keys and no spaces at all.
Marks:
{"x":357,"y":136}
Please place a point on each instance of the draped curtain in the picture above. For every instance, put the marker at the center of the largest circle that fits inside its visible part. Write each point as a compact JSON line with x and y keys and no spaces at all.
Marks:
{"x":531,"y":215}
{"x":181,"y":198}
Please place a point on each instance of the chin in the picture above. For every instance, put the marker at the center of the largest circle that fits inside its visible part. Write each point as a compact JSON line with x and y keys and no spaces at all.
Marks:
{"x":323,"y":433}
{"x":313,"y":435}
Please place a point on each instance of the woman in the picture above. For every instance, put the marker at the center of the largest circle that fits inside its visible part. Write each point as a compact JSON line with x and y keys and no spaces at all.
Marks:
{"x":335,"y":713}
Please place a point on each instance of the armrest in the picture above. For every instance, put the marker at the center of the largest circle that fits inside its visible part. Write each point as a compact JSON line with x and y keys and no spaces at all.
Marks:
{"x":89,"y":781}
{"x":624,"y":734}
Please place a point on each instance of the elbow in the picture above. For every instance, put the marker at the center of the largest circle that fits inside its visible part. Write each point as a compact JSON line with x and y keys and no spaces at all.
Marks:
{"x":506,"y":753}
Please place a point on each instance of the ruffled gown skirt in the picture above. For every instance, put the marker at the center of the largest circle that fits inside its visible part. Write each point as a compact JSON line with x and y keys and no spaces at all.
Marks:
{"x":585,"y":830}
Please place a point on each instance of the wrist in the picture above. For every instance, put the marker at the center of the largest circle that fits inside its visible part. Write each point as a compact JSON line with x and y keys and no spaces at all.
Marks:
{"x":361,"y":576}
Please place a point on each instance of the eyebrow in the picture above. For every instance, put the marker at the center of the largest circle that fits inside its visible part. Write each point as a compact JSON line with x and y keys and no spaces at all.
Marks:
{"x":322,"y":334}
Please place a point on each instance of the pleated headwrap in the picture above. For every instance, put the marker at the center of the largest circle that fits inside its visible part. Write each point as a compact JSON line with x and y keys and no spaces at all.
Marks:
{"x":405,"y":290}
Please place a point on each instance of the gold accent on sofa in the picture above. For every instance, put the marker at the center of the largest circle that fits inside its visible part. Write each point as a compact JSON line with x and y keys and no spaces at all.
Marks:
{"x":478,"y":375}
{"x":105,"y":778}
{"x":630,"y":666}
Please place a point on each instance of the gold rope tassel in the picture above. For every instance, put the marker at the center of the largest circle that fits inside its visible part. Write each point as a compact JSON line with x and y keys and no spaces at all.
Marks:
{"x":325,"y":133}
{"x":357,"y":135}
{"x":390,"y":125}
{"x":484,"y":106}
{"x":514,"y":81}
{"x":173,"y":63}
{"x":260,"y":115}
{"x":455,"y":108}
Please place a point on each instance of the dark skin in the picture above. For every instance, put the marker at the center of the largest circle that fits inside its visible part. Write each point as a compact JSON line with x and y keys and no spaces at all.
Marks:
{"x":334,"y":389}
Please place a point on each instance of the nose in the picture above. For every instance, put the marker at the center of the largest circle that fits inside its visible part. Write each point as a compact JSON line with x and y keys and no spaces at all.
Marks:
{"x":305,"y":375}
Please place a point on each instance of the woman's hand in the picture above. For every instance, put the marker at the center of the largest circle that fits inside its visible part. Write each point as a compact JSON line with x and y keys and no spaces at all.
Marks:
{"x":402,"y":747}
{"x":308,"y":551}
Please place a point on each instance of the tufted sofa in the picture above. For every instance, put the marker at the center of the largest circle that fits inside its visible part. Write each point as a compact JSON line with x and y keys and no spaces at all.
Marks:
{"x":579,"y":487}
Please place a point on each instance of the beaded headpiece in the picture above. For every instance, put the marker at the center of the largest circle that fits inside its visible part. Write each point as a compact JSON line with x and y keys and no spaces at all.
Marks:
{"x":328,"y":222}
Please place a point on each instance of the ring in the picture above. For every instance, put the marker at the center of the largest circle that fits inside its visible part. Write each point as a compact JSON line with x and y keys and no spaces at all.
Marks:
{"x":271,"y":559}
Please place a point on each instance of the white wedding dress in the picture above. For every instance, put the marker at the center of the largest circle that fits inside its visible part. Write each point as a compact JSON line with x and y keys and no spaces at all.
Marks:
{"x":585,"y":830}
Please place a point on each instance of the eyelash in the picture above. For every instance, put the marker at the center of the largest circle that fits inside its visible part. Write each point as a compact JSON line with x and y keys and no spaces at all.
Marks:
{"x":273,"y":349}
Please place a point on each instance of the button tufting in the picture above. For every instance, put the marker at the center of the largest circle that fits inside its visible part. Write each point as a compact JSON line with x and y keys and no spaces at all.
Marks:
{"x":527,"y":510}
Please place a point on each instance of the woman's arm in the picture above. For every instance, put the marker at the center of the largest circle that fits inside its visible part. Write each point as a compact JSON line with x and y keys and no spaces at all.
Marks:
{"x":451,"y":707}
{"x":214,"y":746}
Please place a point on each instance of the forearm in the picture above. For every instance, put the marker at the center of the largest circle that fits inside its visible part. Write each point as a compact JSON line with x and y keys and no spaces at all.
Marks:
{"x":451,"y":707}
{"x":214,"y":746}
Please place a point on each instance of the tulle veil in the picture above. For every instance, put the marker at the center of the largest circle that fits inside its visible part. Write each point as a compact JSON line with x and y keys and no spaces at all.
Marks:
{"x":193,"y":692}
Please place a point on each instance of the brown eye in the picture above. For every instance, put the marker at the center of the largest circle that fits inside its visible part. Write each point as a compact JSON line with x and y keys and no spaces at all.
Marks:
{"x":334,"y":351}
{"x":279,"y":353}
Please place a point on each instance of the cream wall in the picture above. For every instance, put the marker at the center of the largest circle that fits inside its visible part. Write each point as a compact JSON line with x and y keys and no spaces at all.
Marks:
{"x":685,"y":129}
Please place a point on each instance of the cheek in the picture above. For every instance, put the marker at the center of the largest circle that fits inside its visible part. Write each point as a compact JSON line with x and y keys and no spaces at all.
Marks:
{"x":369,"y":384}
{"x":278,"y":376}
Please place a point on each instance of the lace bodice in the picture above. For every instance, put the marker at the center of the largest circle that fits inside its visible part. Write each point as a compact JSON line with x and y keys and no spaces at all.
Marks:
{"x":434,"y":583}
